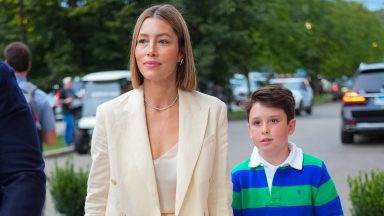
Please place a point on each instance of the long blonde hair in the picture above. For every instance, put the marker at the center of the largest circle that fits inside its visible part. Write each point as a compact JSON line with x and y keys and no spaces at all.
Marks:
{"x":186,"y":72}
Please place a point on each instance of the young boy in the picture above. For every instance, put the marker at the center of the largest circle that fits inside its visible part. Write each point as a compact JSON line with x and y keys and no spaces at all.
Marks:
{"x":279,"y":179}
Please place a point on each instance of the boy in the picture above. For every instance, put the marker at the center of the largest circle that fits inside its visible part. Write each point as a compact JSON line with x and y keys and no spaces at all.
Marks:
{"x":279,"y":179}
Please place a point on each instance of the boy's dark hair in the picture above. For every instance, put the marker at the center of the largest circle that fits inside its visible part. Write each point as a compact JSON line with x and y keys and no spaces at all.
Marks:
{"x":18,"y":56}
{"x":273,"y":96}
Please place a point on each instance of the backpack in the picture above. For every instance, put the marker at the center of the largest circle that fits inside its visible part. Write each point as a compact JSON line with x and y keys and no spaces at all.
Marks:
{"x":29,"y":90}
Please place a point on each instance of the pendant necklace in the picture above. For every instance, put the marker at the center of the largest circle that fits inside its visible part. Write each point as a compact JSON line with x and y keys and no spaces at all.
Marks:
{"x":162,"y":108}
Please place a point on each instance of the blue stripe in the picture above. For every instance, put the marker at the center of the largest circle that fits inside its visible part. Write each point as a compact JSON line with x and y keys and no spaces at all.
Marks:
{"x":330,"y":208}
{"x":309,"y":175}
{"x":273,"y":211}
{"x":249,"y":179}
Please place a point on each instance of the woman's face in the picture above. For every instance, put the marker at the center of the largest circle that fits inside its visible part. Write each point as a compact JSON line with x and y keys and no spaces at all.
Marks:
{"x":157,"y":51}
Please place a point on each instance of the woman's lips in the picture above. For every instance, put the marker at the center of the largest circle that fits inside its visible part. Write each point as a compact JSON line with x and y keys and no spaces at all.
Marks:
{"x":151,"y":64}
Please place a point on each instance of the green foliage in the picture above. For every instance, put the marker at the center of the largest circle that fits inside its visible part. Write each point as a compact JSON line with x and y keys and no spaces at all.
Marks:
{"x":68,"y":188}
{"x":366,"y":194}
{"x":237,"y":115}
{"x":58,"y":145}
{"x":76,"y":37}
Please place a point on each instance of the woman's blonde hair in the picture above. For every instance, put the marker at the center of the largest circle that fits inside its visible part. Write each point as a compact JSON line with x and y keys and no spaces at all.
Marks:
{"x":186,"y":71}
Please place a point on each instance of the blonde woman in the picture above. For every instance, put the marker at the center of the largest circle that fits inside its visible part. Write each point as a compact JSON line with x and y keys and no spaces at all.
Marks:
{"x":162,"y":148}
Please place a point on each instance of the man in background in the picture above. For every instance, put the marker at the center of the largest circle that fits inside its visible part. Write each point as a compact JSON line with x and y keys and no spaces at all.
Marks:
{"x":18,"y":56}
{"x":22,"y":178}
{"x":67,"y":99}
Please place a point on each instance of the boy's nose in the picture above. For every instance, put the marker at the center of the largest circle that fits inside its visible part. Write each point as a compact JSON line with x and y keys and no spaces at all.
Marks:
{"x":265,"y":129}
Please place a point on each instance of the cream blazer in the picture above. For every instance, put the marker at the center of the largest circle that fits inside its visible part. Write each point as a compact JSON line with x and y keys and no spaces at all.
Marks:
{"x":122,"y":178}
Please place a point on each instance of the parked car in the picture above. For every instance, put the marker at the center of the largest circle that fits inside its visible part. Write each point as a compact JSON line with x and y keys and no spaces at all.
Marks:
{"x":301,"y":91}
{"x":339,"y":87}
{"x":239,"y":86}
{"x":362,"y":111}
{"x":99,"y":87}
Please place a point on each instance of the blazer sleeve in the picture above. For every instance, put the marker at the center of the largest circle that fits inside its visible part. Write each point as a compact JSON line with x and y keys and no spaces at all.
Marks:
{"x":220,"y":192}
{"x":98,"y":180}
{"x":22,"y":178}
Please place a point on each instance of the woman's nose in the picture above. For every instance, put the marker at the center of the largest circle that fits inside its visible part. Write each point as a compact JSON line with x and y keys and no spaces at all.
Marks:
{"x":151,"y":50}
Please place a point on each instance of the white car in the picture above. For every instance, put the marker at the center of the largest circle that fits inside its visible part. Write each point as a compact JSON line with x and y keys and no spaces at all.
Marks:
{"x":301,"y":90}
{"x":99,"y":87}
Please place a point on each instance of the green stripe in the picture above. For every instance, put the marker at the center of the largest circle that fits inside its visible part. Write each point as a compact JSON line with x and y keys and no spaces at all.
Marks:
{"x":311,"y":160}
{"x":255,"y":197}
{"x":291,"y":196}
{"x":281,"y":196}
{"x":284,"y":196}
{"x":244,"y":166}
{"x":325,"y":193}
{"x":236,"y":200}
{"x":241,"y":166}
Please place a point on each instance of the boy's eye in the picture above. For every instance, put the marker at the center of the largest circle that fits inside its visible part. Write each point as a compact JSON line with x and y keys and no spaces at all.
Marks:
{"x":257,"y":123}
{"x":275,"y":121}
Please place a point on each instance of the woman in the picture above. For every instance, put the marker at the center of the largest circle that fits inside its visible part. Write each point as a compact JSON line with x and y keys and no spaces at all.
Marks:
{"x":160,"y":149}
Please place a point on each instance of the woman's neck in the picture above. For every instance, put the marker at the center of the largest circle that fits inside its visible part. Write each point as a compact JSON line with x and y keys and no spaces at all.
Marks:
{"x":159,"y":95}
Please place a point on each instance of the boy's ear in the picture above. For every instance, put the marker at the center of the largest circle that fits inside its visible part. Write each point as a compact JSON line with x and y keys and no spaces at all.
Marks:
{"x":249,"y":131}
{"x":291,"y":126}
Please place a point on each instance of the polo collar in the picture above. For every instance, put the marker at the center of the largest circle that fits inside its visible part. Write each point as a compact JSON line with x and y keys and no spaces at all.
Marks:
{"x":294,"y":159}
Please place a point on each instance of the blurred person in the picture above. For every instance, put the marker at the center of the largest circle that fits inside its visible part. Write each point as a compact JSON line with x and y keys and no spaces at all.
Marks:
{"x":19,"y":57}
{"x":161,"y":148}
{"x":22,"y":178}
{"x":67,"y":98}
{"x":278,"y":178}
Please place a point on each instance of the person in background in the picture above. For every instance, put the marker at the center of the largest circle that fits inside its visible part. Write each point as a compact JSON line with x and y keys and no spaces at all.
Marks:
{"x":19,"y":57}
{"x":161,"y":148}
{"x":279,"y":179}
{"x":67,"y":97}
{"x":22,"y":178}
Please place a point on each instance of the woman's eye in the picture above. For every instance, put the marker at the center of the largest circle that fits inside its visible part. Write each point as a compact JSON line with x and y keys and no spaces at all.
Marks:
{"x":141,"y":41}
{"x":256,"y":123}
{"x":163,"y":41}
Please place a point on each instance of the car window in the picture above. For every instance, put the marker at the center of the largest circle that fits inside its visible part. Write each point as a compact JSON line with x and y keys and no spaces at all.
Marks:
{"x":97,"y":93}
{"x":292,"y":85}
{"x":369,"y":82}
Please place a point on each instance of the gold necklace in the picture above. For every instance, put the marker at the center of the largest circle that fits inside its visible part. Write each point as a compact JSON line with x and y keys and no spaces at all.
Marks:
{"x":162,"y":108}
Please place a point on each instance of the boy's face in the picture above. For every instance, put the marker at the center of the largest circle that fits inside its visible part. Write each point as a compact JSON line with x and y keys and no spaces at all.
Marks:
{"x":269,"y":130}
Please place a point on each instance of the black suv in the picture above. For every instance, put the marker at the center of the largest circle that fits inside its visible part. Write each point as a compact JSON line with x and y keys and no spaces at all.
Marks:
{"x":363,"y":106}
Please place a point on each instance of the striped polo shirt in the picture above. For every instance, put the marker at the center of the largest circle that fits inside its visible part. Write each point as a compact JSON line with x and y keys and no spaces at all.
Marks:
{"x":306,"y":191}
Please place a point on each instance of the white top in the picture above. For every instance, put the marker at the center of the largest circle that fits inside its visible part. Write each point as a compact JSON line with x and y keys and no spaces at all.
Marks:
{"x":294,"y":159}
{"x":166,"y":175}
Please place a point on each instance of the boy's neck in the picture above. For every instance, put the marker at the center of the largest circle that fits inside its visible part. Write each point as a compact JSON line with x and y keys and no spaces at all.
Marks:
{"x":276,"y":158}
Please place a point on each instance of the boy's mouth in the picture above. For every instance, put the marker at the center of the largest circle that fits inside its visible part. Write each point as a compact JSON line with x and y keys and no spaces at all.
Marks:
{"x":266,"y":140}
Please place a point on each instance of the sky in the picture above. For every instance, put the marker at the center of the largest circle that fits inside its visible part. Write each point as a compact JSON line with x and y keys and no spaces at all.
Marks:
{"x":372,"y":4}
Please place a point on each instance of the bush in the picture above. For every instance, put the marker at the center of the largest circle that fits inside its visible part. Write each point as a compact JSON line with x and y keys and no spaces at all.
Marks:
{"x":366,"y":194}
{"x":68,"y":188}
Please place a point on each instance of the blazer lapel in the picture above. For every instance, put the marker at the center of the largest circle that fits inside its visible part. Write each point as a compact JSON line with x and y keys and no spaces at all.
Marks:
{"x":193,"y":121}
{"x":137,"y":137}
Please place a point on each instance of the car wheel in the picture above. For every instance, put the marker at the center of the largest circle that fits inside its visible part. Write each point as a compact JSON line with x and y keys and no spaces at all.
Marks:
{"x":309,"y":110}
{"x":298,"y":111}
{"x":346,"y":137}
{"x":82,"y":141}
